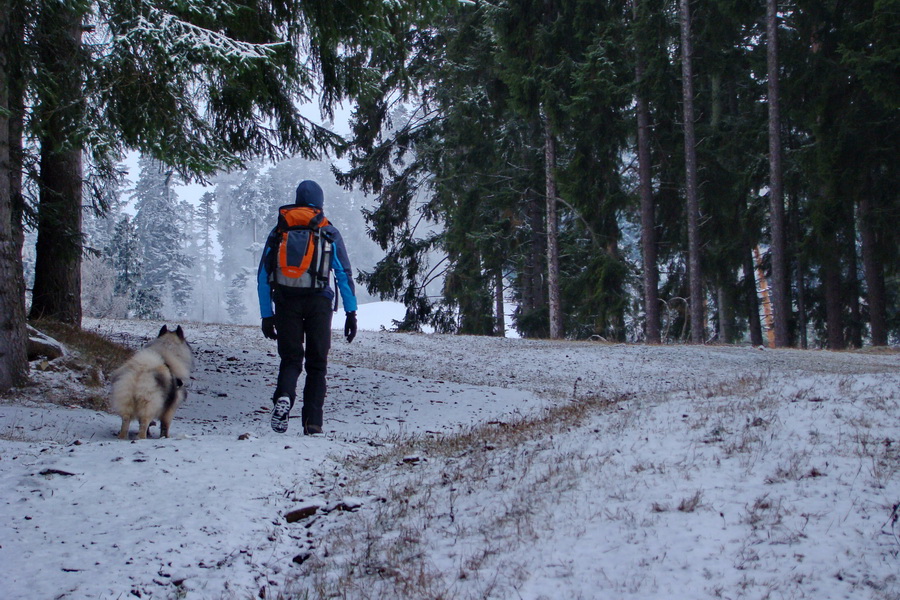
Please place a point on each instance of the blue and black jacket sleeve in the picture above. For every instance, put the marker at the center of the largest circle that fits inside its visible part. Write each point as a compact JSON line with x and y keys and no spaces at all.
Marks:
{"x":263,"y":289}
{"x":343,"y":272}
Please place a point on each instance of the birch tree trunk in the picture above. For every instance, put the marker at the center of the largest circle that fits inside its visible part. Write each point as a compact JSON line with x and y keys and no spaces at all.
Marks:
{"x":690,"y":163}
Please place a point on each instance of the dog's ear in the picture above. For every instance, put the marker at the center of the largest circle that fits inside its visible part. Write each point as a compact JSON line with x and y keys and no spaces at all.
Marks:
{"x":163,"y":331}
{"x":180,"y":333}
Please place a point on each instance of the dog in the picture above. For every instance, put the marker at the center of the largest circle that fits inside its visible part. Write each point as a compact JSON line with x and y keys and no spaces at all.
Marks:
{"x":151,"y":384}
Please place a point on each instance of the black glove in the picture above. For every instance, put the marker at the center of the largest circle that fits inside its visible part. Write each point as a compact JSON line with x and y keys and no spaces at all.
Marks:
{"x":350,"y":326}
{"x":268,"y":328}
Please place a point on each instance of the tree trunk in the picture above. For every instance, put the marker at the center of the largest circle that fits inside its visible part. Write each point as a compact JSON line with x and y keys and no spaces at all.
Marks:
{"x":690,"y":163}
{"x":532,"y":275}
{"x":851,"y":289}
{"x":16,"y":76}
{"x":726,"y":330}
{"x":13,"y":358}
{"x":57,"y":285}
{"x":752,"y":298}
{"x":831,"y":282}
{"x":499,"y":304}
{"x":539,"y":249}
{"x":874,"y":273}
{"x":802,"y":319}
{"x":779,"y":279}
{"x":648,"y":216}
{"x":795,"y":235}
{"x":555,"y":304}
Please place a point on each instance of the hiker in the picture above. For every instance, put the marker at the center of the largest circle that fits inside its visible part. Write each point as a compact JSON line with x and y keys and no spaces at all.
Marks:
{"x":295,"y":270}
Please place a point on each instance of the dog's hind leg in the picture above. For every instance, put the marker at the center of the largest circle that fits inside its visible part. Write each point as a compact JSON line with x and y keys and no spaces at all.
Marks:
{"x":164,"y":421}
{"x":143,"y":427}
{"x":123,"y":432}
{"x":174,"y":397}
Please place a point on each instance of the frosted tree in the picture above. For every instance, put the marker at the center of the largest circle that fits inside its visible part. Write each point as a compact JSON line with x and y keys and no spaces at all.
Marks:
{"x":236,"y":294}
{"x":123,"y":255}
{"x":204,"y":234}
{"x":161,"y":241}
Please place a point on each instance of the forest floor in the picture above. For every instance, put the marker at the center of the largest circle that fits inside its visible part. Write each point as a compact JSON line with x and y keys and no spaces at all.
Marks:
{"x":463,"y":467}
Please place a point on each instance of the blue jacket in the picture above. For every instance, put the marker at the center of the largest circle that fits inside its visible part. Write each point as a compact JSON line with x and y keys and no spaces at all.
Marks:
{"x":310,"y":194}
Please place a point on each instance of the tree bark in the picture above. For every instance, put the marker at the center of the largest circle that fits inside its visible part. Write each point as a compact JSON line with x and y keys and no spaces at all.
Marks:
{"x":539,"y":249}
{"x":648,"y":212}
{"x":16,"y":76}
{"x":795,"y":235}
{"x":57,"y":285}
{"x":13,"y":358}
{"x":690,"y":164}
{"x":834,"y":322}
{"x":779,"y":279}
{"x":532,"y":276}
{"x":500,"y":328}
{"x":852,"y":287}
{"x":726,"y":331}
{"x":874,"y":273}
{"x":752,"y":298}
{"x":555,"y":304}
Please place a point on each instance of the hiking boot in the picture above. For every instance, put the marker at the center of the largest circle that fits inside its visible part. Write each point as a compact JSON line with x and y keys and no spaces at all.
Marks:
{"x":312,"y":429}
{"x":280,"y":414}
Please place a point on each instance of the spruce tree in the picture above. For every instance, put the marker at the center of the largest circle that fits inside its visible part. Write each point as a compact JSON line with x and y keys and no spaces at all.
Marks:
{"x":205,"y":234}
{"x":164,"y":265}
{"x":13,"y":358}
{"x":196,"y":85}
{"x":123,"y":254}
{"x":780,"y":279}
{"x":650,"y":268}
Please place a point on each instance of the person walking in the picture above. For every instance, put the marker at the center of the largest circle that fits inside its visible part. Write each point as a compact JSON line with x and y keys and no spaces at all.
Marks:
{"x":295,"y":273}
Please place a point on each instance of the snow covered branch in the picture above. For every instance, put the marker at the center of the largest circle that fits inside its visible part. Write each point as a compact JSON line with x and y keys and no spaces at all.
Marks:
{"x":177,"y":33}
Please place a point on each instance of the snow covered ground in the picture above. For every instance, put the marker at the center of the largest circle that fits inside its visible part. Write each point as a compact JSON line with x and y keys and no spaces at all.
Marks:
{"x":462,"y":467}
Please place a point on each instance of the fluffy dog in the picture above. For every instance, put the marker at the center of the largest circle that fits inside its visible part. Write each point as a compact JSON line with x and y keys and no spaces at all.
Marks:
{"x":151,"y":384}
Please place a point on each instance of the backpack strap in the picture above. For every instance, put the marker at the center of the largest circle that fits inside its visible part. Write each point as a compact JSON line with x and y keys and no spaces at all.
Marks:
{"x":316,"y":221}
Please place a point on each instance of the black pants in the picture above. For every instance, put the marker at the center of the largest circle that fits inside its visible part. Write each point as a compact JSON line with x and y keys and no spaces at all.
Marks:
{"x":299,"y":319}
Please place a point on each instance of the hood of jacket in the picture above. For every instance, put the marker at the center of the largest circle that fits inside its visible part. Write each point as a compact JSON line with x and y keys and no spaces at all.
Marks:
{"x":310,"y":194}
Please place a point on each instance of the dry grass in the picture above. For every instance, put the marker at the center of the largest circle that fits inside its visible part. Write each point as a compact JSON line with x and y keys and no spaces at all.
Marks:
{"x":494,"y":435}
{"x":388,"y":559}
{"x":92,"y":350}
{"x":90,"y":361}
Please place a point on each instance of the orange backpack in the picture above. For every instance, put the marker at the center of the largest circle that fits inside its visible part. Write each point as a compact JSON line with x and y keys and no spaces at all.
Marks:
{"x":302,"y":257}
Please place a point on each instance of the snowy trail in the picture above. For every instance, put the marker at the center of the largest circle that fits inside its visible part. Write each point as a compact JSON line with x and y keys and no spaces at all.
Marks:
{"x":202,"y":515}
{"x":204,"y":508}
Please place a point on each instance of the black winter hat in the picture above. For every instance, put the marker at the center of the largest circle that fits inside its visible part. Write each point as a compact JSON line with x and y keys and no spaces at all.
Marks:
{"x":310,"y":194}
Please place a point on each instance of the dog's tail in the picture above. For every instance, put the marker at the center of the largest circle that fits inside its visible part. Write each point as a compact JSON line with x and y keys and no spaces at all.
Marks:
{"x":170,"y":385}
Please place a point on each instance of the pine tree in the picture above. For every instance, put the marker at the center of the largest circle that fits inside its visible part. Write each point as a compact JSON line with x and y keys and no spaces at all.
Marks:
{"x":13,"y":358}
{"x":234,"y":298}
{"x":164,"y":266}
{"x":123,"y":254}
{"x":205,"y":233}
{"x":150,"y":68}
{"x":780,"y":279}
{"x":698,"y":323}
{"x":60,"y":113}
{"x":645,"y":177}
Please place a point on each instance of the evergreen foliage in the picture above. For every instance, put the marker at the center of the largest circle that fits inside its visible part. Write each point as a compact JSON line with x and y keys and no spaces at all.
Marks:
{"x":457,"y":168}
{"x":455,"y":105}
{"x":161,"y":240}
